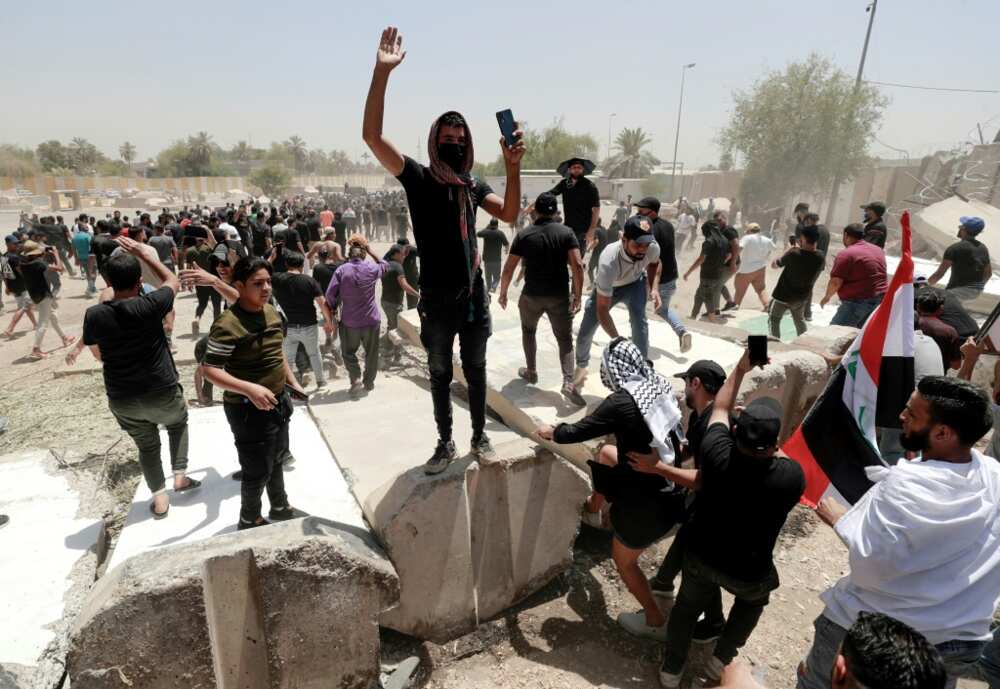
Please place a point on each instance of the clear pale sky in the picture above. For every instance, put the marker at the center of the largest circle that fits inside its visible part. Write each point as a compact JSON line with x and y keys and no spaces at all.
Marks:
{"x":151,"y":72}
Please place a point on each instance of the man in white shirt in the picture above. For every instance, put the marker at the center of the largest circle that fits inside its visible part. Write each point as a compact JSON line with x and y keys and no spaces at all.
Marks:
{"x":924,"y":541}
{"x":686,"y":227}
{"x":755,"y":249}
{"x":626,"y":272}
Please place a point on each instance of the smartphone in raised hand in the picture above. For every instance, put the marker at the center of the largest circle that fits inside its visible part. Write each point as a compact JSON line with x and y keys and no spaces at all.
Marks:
{"x":757,"y":346}
{"x":505,"y":118}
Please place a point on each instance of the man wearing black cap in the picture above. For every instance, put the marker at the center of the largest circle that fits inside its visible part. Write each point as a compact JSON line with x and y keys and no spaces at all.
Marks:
{"x":626,"y":272}
{"x":443,"y":199}
{"x":745,"y":493}
{"x":581,"y":200}
{"x":858,"y":278}
{"x":666,"y":279}
{"x":875,"y":229}
{"x":547,"y":248}
{"x":968,"y":259}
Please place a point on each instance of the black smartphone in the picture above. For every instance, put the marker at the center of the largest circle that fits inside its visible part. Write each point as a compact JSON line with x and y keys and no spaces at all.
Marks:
{"x":505,"y":118}
{"x":757,"y":345}
{"x":295,"y":394}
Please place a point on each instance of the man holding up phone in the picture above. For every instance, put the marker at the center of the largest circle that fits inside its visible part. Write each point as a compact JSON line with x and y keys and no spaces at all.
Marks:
{"x":443,"y":199}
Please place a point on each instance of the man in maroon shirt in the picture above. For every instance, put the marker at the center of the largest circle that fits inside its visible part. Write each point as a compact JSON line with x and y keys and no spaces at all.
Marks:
{"x":858,"y":279}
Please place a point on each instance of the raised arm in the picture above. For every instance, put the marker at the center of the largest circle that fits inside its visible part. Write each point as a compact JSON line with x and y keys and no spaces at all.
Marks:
{"x":136,"y":249}
{"x":506,"y":209}
{"x":390,"y":54}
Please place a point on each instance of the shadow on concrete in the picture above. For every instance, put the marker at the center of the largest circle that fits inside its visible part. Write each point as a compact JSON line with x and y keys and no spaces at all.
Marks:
{"x":518,"y":389}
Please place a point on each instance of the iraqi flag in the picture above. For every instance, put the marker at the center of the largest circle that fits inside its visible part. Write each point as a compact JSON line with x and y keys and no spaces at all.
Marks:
{"x":869,"y":388}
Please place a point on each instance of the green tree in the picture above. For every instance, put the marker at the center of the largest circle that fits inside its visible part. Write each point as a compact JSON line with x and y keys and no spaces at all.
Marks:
{"x":726,"y":161}
{"x":796,"y":129}
{"x":127,"y":153}
{"x":631,"y":159}
{"x":199,"y":154}
{"x":52,"y":154}
{"x":84,"y":156}
{"x":271,"y":179}
{"x":16,"y":161}
{"x":546,"y":148}
{"x":296,"y":148}
{"x":241,"y":152}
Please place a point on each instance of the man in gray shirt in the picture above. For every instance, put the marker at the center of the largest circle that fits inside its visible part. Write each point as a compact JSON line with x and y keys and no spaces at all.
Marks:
{"x":165,"y":247}
{"x":626,"y":272}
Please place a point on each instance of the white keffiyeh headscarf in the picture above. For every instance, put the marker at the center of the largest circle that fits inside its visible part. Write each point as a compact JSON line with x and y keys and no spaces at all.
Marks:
{"x":624,"y":367}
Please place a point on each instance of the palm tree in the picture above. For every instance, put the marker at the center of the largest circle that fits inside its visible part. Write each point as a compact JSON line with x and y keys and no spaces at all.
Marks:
{"x":200,"y":153}
{"x":83,"y":155}
{"x":297,"y":148}
{"x":241,"y":151}
{"x":630,"y":158}
{"x":127,"y":152}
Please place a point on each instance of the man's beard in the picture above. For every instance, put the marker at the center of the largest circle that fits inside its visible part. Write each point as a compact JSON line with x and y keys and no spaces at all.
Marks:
{"x":916,"y":441}
{"x":689,"y":401}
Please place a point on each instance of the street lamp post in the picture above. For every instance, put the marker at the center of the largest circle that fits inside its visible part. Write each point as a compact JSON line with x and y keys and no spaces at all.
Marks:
{"x":677,"y":132}
{"x":610,"y":117}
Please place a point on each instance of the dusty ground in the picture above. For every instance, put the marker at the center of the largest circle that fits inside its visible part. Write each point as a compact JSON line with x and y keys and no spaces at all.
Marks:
{"x":563,"y":636}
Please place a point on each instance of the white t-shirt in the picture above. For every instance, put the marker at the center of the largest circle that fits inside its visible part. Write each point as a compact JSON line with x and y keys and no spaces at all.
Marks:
{"x":148,"y":276}
{"x":685,"y":221}
{"x":231,"y":232}
{"x":755,"y":249}
{"x":924,"y":548}
{"x":615,"y":269}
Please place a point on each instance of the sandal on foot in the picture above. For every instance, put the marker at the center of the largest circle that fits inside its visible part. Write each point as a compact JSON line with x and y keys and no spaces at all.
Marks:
{"x":158,"y":515}
{"x":191,"y":485}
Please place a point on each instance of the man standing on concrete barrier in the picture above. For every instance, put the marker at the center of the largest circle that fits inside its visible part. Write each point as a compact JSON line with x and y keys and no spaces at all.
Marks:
{"x":626,"y":273}
{"x":443,"y":199}
{"x":547,"y":248}
{"x":801,"y":266}
{"x":245,"y":358}
{"x":875,"y":229}
{"x":126,"y":334}
{"x":969,"y":261}
{"x":663,"y":233}
{"x":581,"y":200}
{"x":858,"y":278}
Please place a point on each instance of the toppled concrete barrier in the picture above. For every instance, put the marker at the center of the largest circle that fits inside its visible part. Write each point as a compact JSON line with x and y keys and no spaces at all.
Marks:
{"x":466,"y":543}
{"x":832,"y":340}
{"x":291,"y":605}
{"x":793,"y":378}
{"x":53,"y":547}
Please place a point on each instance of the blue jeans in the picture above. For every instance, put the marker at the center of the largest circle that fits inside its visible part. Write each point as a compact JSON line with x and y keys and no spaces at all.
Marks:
{"x":667,"y":291}
{"x":960,"y":657}
{"x":634,"y":296}
{"x":989,"y":663}
{"x":855,"y":313}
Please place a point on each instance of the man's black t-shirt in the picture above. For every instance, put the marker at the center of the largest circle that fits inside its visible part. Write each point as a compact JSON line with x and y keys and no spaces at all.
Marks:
{"x":715,"y":248}
{"x":494,"y":240}
{"x":875,"y":233}
{"x":663,"y":232}
{"x":544,"y":247}
{"x":434,"y":212}
{"x":323,"y":273}
{"x":16,"y":283}
{"x":296,"y":294}
{"x":823,"y":241}
{"x":33,"y":272}
{"x":391,"y":291}
{"x":259,"y":234}
{"x":956,"y":316}
{"x":742,"y":505}
{"x":697,"y":425}
{"x":289,"y":240}
{"x":579,"y":202}
{"x":969,"y":259}
{"x":801,"y":268}
{"x":340,"y":231}
{"x":102,"y":247}
{"x":134,"y":348}
{"x":312,"y":229}
{"x":730,"y":234}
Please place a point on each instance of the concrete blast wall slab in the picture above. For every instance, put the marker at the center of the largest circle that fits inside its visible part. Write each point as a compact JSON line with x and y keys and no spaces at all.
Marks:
{"x":51,"y":552}
{"x":469,"y":542}
{"x":292,"y":605}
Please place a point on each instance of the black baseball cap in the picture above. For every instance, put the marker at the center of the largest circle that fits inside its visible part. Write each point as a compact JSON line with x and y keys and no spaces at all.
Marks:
{"x":759,"y":425}
{"x":546,"y":203}
{"x":711,"y":375}
{"x":650,"y":202}
{"x":638,"y":229}
{"x":877,"y":207}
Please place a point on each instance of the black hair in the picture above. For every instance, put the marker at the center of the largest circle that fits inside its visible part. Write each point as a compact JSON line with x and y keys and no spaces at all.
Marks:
{"x":958,"y":404}
{"x":294,"y":259}
{"x":801,"y":207}
{"x":855,"y":229}
{"x":452,"y":119}
{"x":884,"y":653}
{"x":247,"y":266}
{"x":928,"y":300}
{"x":811,"y":216}
{"x":810,"y":233}
{"x":123,"y":271}
{"x":708,"y":228}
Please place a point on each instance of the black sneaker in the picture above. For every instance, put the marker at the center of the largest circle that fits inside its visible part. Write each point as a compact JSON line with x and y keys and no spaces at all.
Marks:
{"x":482,"y":448}
{"x":661,"y":591}
{"x":444,"y":454}
{"x":237,"y":475}
{"x":243,"y":526}
{"x":705,"y":633}
{"x":730,"y":306}
{"x":281,"y":514}
{"x":4,"y":520}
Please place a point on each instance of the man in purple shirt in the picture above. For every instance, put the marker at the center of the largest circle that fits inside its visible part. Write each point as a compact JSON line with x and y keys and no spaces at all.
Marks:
{"x":353,"y":289}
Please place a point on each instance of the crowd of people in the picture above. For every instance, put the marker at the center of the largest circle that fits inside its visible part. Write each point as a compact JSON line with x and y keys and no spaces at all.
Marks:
{"x":914,"y":609}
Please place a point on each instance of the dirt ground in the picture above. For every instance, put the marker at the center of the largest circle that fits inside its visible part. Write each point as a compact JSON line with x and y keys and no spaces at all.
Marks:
{"x":565,"y":635}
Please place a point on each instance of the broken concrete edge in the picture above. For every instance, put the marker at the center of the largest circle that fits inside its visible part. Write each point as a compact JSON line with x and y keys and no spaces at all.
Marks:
{"x":66,"y":372}
{"x":151,"y":618}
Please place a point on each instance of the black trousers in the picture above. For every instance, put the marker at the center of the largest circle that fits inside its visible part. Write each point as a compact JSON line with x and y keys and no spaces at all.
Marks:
{"x":204,"y":295}
{"x":261,"y":442}
{"x":445,"y":314}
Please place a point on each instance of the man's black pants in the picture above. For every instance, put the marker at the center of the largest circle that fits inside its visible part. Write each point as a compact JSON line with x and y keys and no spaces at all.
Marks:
{"x":443,"y":315}
{"x":261,"y":441}
{"x":204,"y":295}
